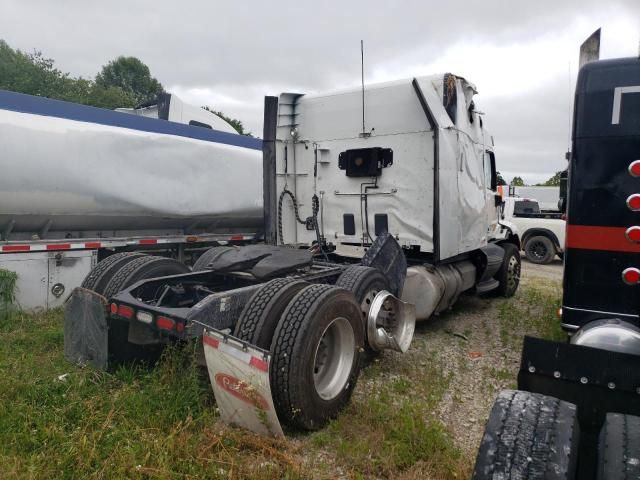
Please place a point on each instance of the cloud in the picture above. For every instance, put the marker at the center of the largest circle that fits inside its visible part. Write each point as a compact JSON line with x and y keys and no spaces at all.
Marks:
{"x":230,"y":54}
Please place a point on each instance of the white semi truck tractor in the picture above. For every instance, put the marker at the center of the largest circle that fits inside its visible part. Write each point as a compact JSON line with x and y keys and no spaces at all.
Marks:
{"x":380,"y":208}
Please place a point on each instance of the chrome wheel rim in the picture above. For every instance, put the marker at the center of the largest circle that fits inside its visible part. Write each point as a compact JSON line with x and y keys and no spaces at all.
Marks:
{"x":365,"y":305}
{"x":333,"y":359}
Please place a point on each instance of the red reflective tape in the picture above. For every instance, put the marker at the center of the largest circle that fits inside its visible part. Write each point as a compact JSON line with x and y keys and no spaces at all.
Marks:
{"x":259,"y":363}
{"x":212,"y":342}
{"x":147,"y":241}
{"x":610,"y":239}
{"x":236,"y":238}
{"x":92,"y":245}
{"x":59,"y":246}
{"x":16,"y":248}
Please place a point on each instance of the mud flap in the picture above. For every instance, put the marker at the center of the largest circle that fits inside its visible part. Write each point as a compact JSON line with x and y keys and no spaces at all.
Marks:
{"x":239,"y":376}
{"x":85,"y":328}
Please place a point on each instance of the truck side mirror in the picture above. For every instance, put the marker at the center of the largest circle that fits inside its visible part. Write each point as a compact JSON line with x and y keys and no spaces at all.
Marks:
{"x":562,"y":202}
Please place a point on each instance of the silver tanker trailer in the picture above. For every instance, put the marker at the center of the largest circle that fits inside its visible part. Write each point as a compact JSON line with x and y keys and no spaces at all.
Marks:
{"x":80,"y":184}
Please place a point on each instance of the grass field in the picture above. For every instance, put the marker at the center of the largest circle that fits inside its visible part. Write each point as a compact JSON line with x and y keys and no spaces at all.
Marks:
{"x":63,"y":421}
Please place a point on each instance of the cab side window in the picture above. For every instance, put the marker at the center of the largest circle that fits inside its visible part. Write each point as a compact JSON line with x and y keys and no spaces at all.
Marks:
{"x":490,"y":175}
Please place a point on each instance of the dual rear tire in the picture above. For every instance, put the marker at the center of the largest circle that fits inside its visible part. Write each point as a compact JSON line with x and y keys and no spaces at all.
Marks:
{"x":315,"y":335}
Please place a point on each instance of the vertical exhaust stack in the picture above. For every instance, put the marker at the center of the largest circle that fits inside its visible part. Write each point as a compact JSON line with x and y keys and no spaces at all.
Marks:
{"x":590,"y":49}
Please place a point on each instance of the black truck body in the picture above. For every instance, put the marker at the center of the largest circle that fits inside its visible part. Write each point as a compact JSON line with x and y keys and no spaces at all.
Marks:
{"x":595,"y":376}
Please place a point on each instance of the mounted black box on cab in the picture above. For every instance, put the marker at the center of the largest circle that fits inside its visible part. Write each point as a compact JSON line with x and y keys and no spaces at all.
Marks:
{"x":365,"y":162}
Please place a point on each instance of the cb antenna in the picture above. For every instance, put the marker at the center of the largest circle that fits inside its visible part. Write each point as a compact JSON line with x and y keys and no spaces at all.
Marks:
{"x":362,"y":78}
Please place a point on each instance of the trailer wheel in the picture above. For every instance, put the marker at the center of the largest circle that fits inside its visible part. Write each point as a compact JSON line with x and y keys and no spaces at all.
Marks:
{"x":261,"y":315}
{"x":100,"y":275}
{"x":529,"y":435}
{"x":508,"y":275}
{"x":207,"y":257}
{"x":539,"y":249}
{"x":619,"y":448}
{"x":316,"y":356}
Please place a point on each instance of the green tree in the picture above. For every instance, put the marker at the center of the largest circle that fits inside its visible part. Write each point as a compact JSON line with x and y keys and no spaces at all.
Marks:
{"x":517,"y":182}
{"x":234,"y":122}
{"x":499,"y":179}
{"x":35,"y":74}
{"x":554,"y":181}
{"x":133,"y":77}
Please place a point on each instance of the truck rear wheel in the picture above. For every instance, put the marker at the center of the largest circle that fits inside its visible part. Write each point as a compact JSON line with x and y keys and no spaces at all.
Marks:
{"x":207,"y":257}
{"x":365,"y":283}
{"x":100,"y":275}
{"x":261,"y":315}
{"x":539,"y":249}
{"x":619,"y":448}
{"x":316,"y":356}
{"x":508,"y":275}
{"x":529,"y":435}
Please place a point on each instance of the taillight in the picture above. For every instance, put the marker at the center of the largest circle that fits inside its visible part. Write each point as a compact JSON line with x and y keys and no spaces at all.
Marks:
{"x":125,"y":311}
{"x":631,"y":276}
{"x":179,"y":327}
{"x":114,"y":309}
{"x":633,"y":202}
{"x":634,"y":168}
{"x":633,"y":234}
{"x":164,"y":323}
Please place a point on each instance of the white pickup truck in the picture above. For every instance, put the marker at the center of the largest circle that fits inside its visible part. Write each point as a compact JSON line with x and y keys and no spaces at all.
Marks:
{"x":542,"y":233}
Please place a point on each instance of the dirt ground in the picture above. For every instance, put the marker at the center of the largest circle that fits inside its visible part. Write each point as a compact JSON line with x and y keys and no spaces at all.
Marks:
{"x":481,"y":365}
{"x":477,"y":348}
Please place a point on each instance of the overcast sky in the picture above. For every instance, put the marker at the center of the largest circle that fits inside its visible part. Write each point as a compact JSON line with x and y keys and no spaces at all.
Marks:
{"x":522,"y":55}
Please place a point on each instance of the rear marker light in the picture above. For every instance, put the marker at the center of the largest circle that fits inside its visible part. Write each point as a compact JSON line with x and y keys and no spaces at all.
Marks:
{"x":164,"y":323}
{"x":179,"y":327}
{"x":126,"y":312}
{"x":634,"y":168}
{"x":633,"y":234}
{"x":633,"y":202}
{"x":631,"y":276}
{"x":114,"y":308}
{"x":144,"y":317}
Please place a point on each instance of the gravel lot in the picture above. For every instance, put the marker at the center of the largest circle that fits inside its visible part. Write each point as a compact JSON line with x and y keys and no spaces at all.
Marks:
{"x":477,"y":348}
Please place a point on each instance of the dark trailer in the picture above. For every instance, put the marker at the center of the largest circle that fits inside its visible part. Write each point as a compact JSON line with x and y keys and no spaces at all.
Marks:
{"x":577,"y":411}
